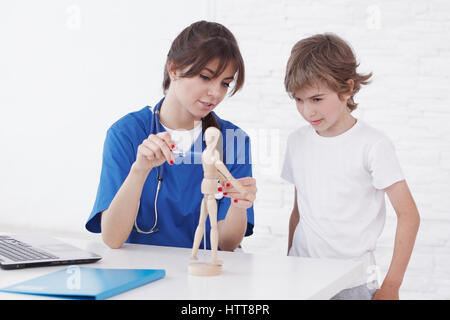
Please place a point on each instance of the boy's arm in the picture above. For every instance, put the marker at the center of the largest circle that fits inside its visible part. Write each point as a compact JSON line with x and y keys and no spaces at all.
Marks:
{"x":408,"y":221}
{"x":293,"y":221}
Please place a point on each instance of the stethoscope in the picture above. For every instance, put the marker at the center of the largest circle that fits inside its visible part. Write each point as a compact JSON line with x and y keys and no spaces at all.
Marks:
{"x":155,"y":127}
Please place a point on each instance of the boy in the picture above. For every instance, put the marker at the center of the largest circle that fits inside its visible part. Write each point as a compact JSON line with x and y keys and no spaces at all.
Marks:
{"x":342,"y":168}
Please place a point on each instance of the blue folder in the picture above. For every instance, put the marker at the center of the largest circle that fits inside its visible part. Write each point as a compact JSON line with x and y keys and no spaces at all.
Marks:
{"x":86,"y":283}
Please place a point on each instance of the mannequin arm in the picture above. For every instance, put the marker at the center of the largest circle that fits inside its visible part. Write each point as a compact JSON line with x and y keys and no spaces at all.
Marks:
{"x":223,"y":171}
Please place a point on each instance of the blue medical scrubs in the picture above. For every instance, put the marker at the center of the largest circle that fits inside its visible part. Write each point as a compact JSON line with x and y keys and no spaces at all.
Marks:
{"x":180,"y":197}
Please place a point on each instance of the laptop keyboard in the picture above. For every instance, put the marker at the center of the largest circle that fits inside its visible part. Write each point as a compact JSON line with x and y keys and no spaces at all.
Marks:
{"x":18,"y":251}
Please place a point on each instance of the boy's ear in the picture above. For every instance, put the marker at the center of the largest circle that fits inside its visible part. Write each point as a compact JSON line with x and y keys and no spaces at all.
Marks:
{"x":349,"y":93}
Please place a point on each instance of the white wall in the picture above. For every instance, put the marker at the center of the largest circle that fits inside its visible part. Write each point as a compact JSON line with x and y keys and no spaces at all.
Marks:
{"x":68,"y":69}
{"x":406,"y":45}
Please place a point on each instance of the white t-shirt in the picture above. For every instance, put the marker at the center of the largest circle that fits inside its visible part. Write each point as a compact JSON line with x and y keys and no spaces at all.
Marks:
{"x":184,"y":139}
{"x":340,"y":196}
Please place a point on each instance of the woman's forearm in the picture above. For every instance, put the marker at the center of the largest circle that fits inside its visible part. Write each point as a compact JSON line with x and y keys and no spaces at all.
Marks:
{"x":232,"y":228}
{"x":118,"y":220}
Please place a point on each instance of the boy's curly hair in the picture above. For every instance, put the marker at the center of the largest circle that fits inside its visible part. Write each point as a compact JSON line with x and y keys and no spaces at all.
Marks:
{"x":324,"y":58}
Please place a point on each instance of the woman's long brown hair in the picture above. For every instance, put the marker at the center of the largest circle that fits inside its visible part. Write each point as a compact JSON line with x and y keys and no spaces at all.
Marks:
{"x":196,"y":46}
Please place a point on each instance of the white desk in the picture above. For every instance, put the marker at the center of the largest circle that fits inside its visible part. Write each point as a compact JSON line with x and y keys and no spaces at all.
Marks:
{"x":244,"y":277}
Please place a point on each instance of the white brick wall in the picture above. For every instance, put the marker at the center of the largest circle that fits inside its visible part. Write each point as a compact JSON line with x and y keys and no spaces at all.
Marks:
{"x":111,"y":64}
{"x":406,"y":45}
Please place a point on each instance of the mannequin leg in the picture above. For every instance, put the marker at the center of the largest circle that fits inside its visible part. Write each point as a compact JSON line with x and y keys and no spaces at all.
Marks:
{"x":200,"y":229}
{"x":214,"y":235}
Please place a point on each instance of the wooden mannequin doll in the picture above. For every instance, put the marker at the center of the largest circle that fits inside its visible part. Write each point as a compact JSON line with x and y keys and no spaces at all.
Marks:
{"x":213,"y":169}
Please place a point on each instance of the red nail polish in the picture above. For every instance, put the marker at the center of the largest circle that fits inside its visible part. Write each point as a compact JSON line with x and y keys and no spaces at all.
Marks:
{"x":220,"y":189}
{"x":225,"y":193}
{"x":227,"y":184}
{"x":171,"y":162}
{"x":173,"y":146}
{"x":235,"y":200}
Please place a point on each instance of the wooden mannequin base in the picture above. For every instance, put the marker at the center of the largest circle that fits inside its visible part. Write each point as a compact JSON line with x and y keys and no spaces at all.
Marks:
{"x":204,"y":269}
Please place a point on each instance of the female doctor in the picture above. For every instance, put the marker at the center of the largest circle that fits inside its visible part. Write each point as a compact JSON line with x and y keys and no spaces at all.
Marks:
{"x":145,"y":195}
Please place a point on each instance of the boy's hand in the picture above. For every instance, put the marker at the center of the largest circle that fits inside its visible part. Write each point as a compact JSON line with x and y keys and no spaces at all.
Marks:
{"x":386,"y":293}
